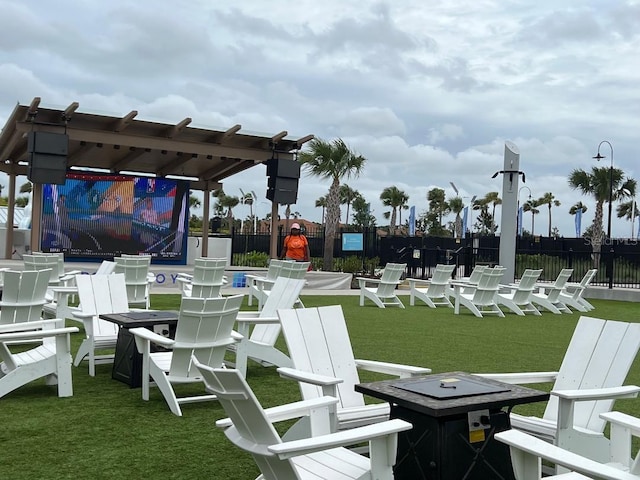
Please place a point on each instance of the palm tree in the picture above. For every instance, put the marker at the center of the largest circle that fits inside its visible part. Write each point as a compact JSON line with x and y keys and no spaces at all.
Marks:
{"x":347,"y":195}
{"x":456,"y":204}
{"x":493,"y":199}
{"x":628,"y":210}
{"x":248,"y":198}
{"x":531,"y":206}
{"x":438,"y":206}
{"x":322,"y":202}
{"x":597,"y":184}
{"x":549,"y":199}
{"x":194,"y":202}
{"x":26,"y":187}
{"x":396,"y":199}
{"x":334,"y":161}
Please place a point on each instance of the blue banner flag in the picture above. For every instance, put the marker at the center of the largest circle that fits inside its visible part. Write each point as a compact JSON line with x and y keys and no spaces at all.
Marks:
{"x":412,"y":221}
{"x":465,"y":214}
{"x":520,"y":210}
{"x":578,"y":223}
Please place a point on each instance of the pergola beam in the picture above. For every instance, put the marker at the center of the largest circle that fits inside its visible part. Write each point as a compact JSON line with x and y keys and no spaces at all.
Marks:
{"x":125,"y":121}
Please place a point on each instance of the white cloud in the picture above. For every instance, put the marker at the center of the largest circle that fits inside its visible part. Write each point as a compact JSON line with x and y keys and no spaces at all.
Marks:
{"x":427,"y":92}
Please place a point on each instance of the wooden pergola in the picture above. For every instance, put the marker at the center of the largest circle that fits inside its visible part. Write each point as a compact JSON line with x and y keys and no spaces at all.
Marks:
{"x":126,"y":145}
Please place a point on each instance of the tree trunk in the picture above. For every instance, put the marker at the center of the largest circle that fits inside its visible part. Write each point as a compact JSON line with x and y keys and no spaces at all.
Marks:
{"x":596,"y":232}
{"x":331,"y":224}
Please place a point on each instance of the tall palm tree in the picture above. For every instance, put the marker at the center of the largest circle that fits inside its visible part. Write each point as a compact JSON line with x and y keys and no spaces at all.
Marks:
{"x":396,"y":199}
{"x":322,"y":202}
{"x":549,"y":199}
{"x":347,"y":195}
{"x":456,"y":204}
{"x":333,"y":161}
{"x":248,"y":198}
{"x":629,"y":211}
{"x":531,"y":206}
{"x":438,"y":206}
{"x":493,"y":199}
{"x":597,"y":184}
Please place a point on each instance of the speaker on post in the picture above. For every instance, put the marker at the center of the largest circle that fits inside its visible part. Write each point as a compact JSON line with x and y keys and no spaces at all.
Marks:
{"x":282,"y":184}
{"x":47,"y":157}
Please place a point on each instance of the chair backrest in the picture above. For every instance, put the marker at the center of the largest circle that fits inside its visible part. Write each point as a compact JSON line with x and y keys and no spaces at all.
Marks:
{"x":102,"y":294}
{"x":106,"y":267}
{"x":274,"y":269}
{"x":439,"y":282}
{"x":526,"y":286}
{"x":208,"y":277}
{"x":43,"y":262}
{"x":284,"y":294}
{"x":58,"y":255}
{"x":599,"y":354}
{"x":579,"y":289}
{"x":136,"y":270}
{"x":488,"y":286}
{"x":559,"y":283}
{"x":390,"y":279}
{"x":318,"y":342}
{"x":204,"y":331}
{"x":23,"y":296}
{"x":251,"y":430}
{"x":476,"y":273}
{"x":290,"y":269}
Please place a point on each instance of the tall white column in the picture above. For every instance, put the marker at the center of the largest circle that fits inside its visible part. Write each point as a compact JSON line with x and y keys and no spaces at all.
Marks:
{"x":509,"y":220}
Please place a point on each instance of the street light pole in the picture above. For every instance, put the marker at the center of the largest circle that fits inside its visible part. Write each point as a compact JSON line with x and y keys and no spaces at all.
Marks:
{"x":599,"y":157}
{"x":519,"y":221}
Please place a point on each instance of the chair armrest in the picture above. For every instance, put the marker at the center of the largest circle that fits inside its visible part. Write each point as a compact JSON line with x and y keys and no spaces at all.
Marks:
{"x":414,"y":281}
{"x":626,"y":391}
{"x":341,"y":439}
{"x":308,"y":377}
{"x":288,"y":411}
{"x":402,"y":371}
{"x":257,"y":319}
{"x":568,"y":398}
{"x":26,"y":326}
{"x":148,"y":335}
{"x":624,"y":420}
{"x":25,"y":330}
{"x":65,"y":289}
{"x":362,"y":281}
{"x":521,"y":378}
{"x":526,"y":448}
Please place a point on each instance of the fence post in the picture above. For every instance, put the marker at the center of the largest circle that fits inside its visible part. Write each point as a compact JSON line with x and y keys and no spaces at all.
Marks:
{"x":610,"y":267}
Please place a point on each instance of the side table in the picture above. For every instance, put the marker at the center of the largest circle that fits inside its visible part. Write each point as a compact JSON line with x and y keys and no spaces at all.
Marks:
{"x":127,"y":362}
{"x":454,"y":417}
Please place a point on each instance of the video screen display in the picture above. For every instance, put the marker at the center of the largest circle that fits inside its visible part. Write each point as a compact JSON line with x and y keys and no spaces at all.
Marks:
{"x":102,"y":216}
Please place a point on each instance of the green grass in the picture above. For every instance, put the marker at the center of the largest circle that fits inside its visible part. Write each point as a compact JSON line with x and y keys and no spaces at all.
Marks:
{"x":107,"y":431}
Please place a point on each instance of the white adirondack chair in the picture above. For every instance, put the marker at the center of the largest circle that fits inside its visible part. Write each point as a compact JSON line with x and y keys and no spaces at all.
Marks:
{"x":527,"y":453}
{"x":572,"y":294}
{"x":549,"y":295}
{"x":207,"y":279}
{"x":288,"y":269}
{"x":50,"y":357}
{"x":259,"y":345}
{"x":204,"y":330}
{"x":259,"y":284}
{"x":23,"y":296}
{"x":482,"y":298}
{"x":98,"y":294}
{"x":384,"y":293}
{"x":437,"y":291}
{"x":63,"y":294}
{"x":137,"y":278}
{"x":324,"y":364}
{"x":518,"y":298}
{"x":322,"y":456}
{"x":590,"y":378}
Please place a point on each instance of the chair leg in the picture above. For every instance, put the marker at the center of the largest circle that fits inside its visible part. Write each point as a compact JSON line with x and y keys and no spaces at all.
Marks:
{"x":166,"y":389}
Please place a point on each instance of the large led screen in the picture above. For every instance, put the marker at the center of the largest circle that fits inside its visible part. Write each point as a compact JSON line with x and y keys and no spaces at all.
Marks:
{"x":102,"y":216}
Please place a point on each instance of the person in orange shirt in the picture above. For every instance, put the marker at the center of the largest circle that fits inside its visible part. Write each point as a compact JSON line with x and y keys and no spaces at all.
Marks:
{"x":296,"y":246}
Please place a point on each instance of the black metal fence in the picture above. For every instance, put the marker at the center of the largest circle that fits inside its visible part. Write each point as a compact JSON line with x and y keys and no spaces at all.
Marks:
{"x":618,"y":263}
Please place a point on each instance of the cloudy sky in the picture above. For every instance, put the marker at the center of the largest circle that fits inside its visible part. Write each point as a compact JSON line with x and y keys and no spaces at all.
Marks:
{"x":427,"y":91}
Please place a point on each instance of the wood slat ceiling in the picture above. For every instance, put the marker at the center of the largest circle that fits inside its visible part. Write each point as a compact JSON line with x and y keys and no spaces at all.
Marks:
{"x":125,"y":144}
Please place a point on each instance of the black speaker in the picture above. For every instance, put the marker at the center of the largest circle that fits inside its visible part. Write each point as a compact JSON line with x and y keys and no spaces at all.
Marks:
{"x":47,"y":157}
{"x":283,"y":168}
{"x":282,"y":190}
